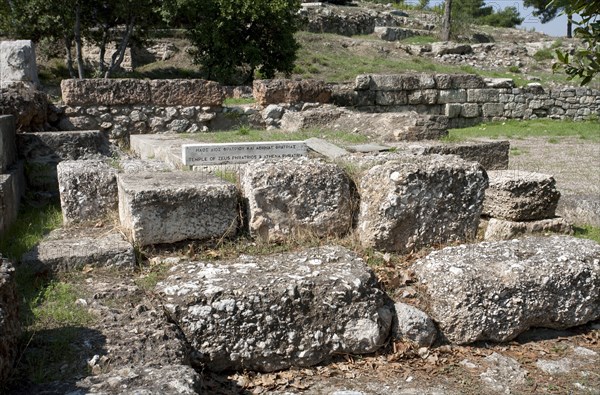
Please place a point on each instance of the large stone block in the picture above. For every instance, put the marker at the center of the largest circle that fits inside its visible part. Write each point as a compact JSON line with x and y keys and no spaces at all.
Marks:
{"x":459,"y":81}
{"x":291,"y":196}
{"x":273,"y":312}
{"x":497,"y":290}
{"x":12,"y":187}
{"x":452,"y":96}
{"x":520,"y":196}
{"x":10,"y":328}
{"x":483,"y":95}
{"x":288,"y":91}
{"x":173,"y":206}
{"x":580,"y":209}
{"x":64,"y":250}
{"x":493,"y":109}
{"x":43,"y":151}
{"x":88,"y":190}
{"x":186,"y":93}
{"x":105,"y":92}
{"x":17,"y":63}
{"x":8,"y":147}
{"x":418,"y":201}
{"x":500,"y":229}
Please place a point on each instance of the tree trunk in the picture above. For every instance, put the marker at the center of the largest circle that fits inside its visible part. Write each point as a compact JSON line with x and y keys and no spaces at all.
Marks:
{"x":68,"y":48}
{"x":117,"y":57}
{"x":77,"y":32}
{"x":446,"y":25}
{"x":569,"y":25}
{"x":103,"y":42}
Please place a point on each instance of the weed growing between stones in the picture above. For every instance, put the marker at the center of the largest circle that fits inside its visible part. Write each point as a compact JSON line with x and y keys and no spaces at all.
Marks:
{"x":587,"y":232}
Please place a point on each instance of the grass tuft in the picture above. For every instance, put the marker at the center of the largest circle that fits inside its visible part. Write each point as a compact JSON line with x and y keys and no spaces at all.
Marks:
{"x":587,"y":232}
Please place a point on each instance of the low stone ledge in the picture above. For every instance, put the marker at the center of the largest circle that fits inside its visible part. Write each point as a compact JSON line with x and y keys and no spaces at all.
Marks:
{"x":65,"y":250}
{"x":497,"y":290}
{"x":290,"y":91}
{"x":274,"y":312}
{"x":499,"y":229}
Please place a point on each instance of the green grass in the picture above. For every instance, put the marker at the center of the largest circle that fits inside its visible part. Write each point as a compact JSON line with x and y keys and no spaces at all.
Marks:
{"x":515,"y":129}
{"x":31,"y":225}
{"x":588,"y":232}
{"x":419,"y":40}
{"x":543,"y":54}
{"x":232,"y":101}
{"x":244,"y":134}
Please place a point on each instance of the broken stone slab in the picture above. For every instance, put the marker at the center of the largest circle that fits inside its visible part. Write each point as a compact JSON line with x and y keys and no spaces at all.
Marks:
{"x":578,"y":357}
{"x":167,"y":207}
{"x":502,"y":373}
{"x":491,"y":155}
{"x":274,"y":312}
{"x":493,"y":291}
{"x":325,"y":148}
{"x":279,"y":91}
{"x":580,"y":209}
{"x":449,"y":48}
{"x":520,"y":196}
{"x":367,"y":148}
{"x":417,"y":201}
{"x":8,"y":147}
{"x":159,"y":147}
{"x":290,"y":197}
{"x":68,"y":249}
{"x":88,"y":190}
{"x":500,"y":229}
{"x":144,"y":380}
{"x":44,"y":150}
{"x":133,"y":165}
{"x":10,"y":328}
{"x":17,"y":63}
{"x":413,"y":325}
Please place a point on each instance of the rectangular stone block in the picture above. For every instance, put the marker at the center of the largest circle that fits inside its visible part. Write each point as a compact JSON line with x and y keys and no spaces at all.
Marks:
{"x":493,"y":109}
{"x":425,"y":96}
{"x":88,"y":190}
{"x":390,"y":98}
{"x":227,"y":153}
{"x":470,"y":110}
{"x":168,"y":207}
{"x":186,"y":93}
{"x":8,"y":147}
{"x":17,"y":63}
{"x":290,"y":91}
{"x":106,"y":92}
{"x":452,"y":96}
{"x":453,"y":110}
{"x":483,"y":95}
{"x":459,"y":81}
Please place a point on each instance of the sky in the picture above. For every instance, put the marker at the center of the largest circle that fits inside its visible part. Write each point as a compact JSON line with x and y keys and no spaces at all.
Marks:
{"x":556,"y":27}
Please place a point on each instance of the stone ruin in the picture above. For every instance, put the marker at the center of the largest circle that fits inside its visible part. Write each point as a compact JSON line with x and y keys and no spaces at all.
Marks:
{"x":294,"y":309}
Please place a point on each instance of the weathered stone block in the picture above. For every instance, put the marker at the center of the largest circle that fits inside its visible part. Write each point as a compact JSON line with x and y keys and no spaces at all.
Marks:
{"x":497,"y":290}
{"x":426,"y":96}
{"x":173,"y":206}
{"x":8,"y":147}
{"x":65,"y":250}
{"x":520,"y":196}
{"x":88,"y":190}
{"x":278,"y":311}
{"x":493,"y":109}
{"x":185,"y":93}
{"x":483,"y":95}
{"x":291,"y":196}
{"x":393,"y":82}
{"x":452,"y":96}
{"x":413,"y":325}
{"x":453,"y":110}
{"x":390,"y":98}
{"x":580,"y":209}
{"x":290,"y":91}
{"x":17,"y":63}
{"x":470,"y":110}
{"x":459,"y":81}
{"x":10,"y":328}
{"x":414,"y":202}
{"x":107,"y":92}
{"x":11,"y":191}
{"x":500,"y":229}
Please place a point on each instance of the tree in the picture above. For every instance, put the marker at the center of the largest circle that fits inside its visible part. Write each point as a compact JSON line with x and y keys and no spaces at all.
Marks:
{"x":234,"y":39}
{"x":584,"y":63}
{"x":547,"y":10}
{"x":446,"y":21}
{"x":476,"y":11}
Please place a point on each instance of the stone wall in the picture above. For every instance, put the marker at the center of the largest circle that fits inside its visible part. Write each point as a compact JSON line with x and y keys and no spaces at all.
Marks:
{"x":17,"y":63}
{"x":465,"y":99}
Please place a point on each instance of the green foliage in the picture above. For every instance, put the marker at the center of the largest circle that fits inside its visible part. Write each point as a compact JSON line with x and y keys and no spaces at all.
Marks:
{"x":465,"y":12}
{"x":233,"y":39}
{"x":232,"y":101}
{"x":508,"y":17}
{"x":585,"y":62}
{"x":543,"y":54}
{"x":587,"y":232}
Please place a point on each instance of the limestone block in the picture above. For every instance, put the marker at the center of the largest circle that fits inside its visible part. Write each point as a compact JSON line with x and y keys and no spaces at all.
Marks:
{"x":10,"y":328}
{"x":500,"y":229}
{"x":493,"y":291}
{"x":88,"y":190}
{"x":17,"y":62}
{"x":425,"y":96}
{"x":452,"y":96}
{"x":520,"y":196}
{"x":182,"y":92}
{"x":453,"y":110}
{"x":470,"y":110}
{"x":8,"y":147}
{"x":450,"y":48}
{"x":483,"y":95}
{"x":459,"y":81}
{"x":413,"y":325}
{"x":291,"y":196}
{"x":493,"y":109}
{"x":390,"y":98}
{"x":12,"y":187}
{"x":273,"y":312}
{"x":288,"y":91}
{"x":65,"y":250}
{"x":580,"y":209}
{"x":108,"y":92}
{"x":414,"y":202}
{"x":167,"y":207}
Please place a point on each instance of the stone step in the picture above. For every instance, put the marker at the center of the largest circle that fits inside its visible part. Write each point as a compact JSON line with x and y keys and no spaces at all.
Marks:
{"x":159,"y":147}
{"x":273,"y":312}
